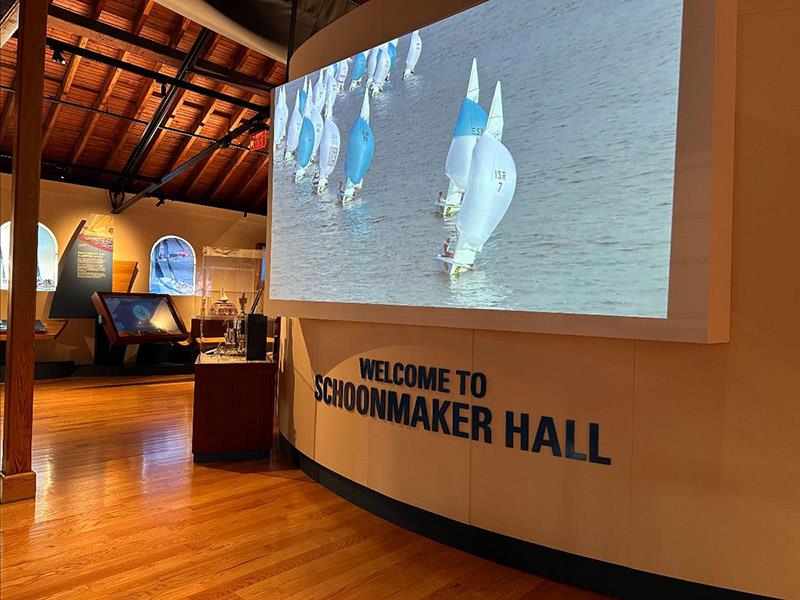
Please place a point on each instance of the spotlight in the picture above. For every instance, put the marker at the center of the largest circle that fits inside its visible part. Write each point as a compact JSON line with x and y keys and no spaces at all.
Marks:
{"x":163,"y":89}
{"x":58,"y":57}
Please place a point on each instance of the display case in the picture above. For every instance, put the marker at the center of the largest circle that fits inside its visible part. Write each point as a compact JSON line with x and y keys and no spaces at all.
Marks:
{"x":228,"y":300}
{"x":138,"y":318}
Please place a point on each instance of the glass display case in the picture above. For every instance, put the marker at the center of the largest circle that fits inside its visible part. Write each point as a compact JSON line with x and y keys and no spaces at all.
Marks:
{"x":229,"y":287}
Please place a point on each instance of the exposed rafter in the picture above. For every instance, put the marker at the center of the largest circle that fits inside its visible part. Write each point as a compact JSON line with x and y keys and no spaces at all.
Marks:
{"x":113,"y":37}
{"x":63,"y":90}
{"x":262,"y":162}
{"x":109,"y":85}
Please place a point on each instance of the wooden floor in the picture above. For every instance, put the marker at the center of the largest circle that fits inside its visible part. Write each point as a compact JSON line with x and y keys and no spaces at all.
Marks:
{"x":123,"y":513}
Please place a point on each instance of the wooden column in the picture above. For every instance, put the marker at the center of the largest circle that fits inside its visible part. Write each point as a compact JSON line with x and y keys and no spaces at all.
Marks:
{"x":17,"y":480}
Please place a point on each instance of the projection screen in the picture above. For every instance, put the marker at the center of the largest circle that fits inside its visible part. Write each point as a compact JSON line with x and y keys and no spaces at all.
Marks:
{"x":527,"y":165}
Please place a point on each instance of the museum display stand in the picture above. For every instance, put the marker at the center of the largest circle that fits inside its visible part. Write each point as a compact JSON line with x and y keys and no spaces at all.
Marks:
{"x":235,"y":378}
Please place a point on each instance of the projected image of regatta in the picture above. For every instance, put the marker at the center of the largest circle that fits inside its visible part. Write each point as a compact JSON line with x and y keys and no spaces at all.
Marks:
{"x":490,"y":189}
{"x":279,"y":120}
{"x":551,"y":192}
{"x":293,"y":130}
{"x":359,"y":68}
{"x":414,"y":50}
{"x":329,"y":148}
{"x":360,"y":148}
{"x":305,"y":143}
{"x":470,"y":124}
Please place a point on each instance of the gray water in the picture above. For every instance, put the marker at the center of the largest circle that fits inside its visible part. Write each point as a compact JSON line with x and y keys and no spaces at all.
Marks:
{"x":590,"y":103}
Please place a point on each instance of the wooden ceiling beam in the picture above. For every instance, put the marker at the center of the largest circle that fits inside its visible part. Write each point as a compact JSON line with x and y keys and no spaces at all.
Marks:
{"x":109,"y":84}
{"x":102,"y":33}
{"x":63,"y":90}
{"x":226,"y":173}
{"x":178,"y":104}
{"x":5,"y":118}
{"x":200,"y":123}
{"x":262,"y":162}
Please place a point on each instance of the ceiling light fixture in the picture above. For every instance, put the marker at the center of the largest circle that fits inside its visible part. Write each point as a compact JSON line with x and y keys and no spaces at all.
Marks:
{"x":58,"y":57}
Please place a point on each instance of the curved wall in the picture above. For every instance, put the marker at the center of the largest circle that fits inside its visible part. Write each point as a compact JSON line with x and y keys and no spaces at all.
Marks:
{"x":704,"y":480}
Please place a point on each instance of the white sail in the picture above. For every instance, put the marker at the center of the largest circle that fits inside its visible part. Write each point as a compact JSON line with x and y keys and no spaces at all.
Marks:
{"x":329,"y":151}
{"x":365,"y":108}
{"x":280,"y":119}
{"x":494,"y":124}
{"x":341,"y":74}
{"x":383,"y":64}
{"x":319,"y":93}
{"x":316,"y":120}
{"x":414,"y":51}
{"x":330,"y":96}
{"x":492,"y":182}
{"x":473,"y":89}
{"x":372,"y":62}
{"x":293,"y":128}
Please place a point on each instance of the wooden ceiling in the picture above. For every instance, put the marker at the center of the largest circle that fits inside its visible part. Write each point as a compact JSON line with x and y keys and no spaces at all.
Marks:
{"x":96,"y":115}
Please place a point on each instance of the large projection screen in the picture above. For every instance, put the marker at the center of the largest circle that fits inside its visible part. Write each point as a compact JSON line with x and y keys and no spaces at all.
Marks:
{"x":526,"y":165}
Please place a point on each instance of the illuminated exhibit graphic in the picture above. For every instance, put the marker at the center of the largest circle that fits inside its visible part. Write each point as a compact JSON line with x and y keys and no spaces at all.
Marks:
{"x":517,"y":156}
{"x":172,"y":267}
{"x":46,"y":259}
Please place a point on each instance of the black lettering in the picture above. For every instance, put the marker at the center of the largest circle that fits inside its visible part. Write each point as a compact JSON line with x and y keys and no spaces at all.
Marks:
{"x":362,"y":399}
{"x":481,"y":419}
{"x":462,"y":382}
{"x":522,"y":430}
{"x":338,"y":392}
{"x":317,"y":387}
{"x":594,"y":446}
{"x":377,"y":403}
{"x":411,"y":375}
{"x":440,"y":416}
{"x":546,"y":435}
{"x":327,"y":395}
{"x":570,"y":444}
{"x":427,"y":378}
{"x":477,"y":385}
{"x":398,"y":410}
{"x":420,"y":414}
{"x":367,"y":368}
{"x":458,"y":419}
{"x":444,"y":381}
{"x":396,"y":378}
{"x":349,"y":396}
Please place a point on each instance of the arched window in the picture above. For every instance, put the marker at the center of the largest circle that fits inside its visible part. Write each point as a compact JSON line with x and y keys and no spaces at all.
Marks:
{"x":172,"y":266}
{"x":46,"y":258}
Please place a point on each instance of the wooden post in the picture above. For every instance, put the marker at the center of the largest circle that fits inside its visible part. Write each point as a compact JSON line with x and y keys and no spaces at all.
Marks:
{"x":17,"y":480}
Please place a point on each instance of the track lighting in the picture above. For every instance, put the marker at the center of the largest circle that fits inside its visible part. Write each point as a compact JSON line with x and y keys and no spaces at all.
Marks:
{"x":163,"y":89}
{"x":58,"y":56}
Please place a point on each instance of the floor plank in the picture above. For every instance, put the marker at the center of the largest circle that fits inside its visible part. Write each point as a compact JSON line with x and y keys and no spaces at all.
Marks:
{"x":123,"y":512}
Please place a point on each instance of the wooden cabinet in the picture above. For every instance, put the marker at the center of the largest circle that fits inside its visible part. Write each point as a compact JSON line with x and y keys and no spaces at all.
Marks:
{"x":234,"y":404}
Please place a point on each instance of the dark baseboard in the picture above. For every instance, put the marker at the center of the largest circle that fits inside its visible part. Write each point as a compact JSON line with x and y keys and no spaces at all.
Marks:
{"x":47,"y":370}
{"x":210,"y":457}
{"x":598,"y":576}
{"x":133,"y":370}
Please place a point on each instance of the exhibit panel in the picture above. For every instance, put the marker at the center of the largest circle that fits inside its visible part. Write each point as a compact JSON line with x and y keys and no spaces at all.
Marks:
{"x":679,"y":460}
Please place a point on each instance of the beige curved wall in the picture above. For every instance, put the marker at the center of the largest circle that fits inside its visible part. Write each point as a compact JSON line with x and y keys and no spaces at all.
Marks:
{"x":704,"y":483}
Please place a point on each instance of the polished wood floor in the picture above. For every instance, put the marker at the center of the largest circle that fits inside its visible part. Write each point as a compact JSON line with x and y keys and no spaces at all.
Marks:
{"x":123,"y":513}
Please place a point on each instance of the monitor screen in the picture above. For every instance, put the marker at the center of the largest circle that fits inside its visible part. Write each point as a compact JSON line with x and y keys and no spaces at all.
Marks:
{"x":141,"y":315}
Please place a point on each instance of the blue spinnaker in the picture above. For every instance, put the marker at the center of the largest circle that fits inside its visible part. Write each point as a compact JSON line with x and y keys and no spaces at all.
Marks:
{"x":360,"y":148}
{"x":305,"y":144}
{"x":303,"y":96}
{"x":359,"y":66}
{"x":392,"y":54}
{"x":471,"y":119}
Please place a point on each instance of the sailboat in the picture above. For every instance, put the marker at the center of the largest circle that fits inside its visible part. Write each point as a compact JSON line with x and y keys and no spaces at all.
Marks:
{"x":304,"y":94}
{"x":359,"y":68}
{"x":316,"y":120}
{"x":341,"y":75}
{"x":360,"y":148}
{"x":470,"y":124}
{"x":383,"y":65}
{"x":329,"y":147}
{"x":392,"y":48}
{"x":490,"y":190}
{"x":319,"y":93}
{"x":414,"y":50}
{"x":293,"y":130}
{"x":305,"y":144}
{"x":280,"y":119}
